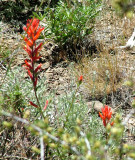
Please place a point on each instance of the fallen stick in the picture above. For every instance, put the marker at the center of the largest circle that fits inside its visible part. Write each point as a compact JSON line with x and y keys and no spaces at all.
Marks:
{"x":130,"y":43}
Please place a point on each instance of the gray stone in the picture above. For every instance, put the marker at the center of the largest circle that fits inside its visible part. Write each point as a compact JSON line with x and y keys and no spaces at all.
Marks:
{"x":97,"y":105}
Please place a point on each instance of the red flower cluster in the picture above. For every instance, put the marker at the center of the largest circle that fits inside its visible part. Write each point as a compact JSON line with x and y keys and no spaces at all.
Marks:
{"x":33,"y":32}
{"x":80,"y":79}
{"x":106,"y":115}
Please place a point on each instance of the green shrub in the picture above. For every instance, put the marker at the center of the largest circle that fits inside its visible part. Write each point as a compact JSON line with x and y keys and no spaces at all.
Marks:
{"x":70,"y":23}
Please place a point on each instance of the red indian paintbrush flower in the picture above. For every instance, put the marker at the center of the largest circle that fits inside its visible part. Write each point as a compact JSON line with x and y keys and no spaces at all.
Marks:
{"x":80,"y":79}
{"x":106,"y":115}
{"x":33,"y":31}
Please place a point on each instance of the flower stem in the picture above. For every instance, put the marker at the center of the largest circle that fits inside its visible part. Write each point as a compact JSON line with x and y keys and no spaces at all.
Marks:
{"x":35,"y":89}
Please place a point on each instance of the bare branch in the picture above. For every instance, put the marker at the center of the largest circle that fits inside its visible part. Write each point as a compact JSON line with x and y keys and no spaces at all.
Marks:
{"x":87,"y":142}
{"x":130,"y":43}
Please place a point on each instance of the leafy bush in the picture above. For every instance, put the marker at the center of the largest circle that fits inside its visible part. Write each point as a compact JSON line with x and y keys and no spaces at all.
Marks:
{"x":69,"y":23}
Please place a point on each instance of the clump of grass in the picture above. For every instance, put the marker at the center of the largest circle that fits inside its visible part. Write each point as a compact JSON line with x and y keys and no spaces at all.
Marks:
{"x":4,"y":54}
{"x":102,"y":74}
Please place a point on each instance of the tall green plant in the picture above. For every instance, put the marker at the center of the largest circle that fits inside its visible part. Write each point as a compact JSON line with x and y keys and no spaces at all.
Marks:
{"x":69,"y":23}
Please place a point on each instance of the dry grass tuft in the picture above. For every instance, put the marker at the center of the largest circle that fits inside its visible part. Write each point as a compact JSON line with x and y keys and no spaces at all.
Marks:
{"x":107,"y":72}
{"x":102,"y":74}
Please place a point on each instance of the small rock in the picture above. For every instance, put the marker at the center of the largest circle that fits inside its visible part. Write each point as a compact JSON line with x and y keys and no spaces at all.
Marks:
{"x":97,"y":105}
{"x":61,"y":80}
{"x":45,"y":66}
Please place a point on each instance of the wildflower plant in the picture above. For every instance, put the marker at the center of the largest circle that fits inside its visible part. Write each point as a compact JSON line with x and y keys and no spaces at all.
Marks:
{"x":33,"y":31}
{"x":71,"y":106}
{"x":106,"y":115}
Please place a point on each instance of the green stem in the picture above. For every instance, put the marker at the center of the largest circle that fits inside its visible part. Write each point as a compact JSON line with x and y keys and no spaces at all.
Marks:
{"x":106,"y":136}
{"x":35,"y":89}
{"x":38,"y":102}
{"x":72,"y":102}
{"x":121,"y":148}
